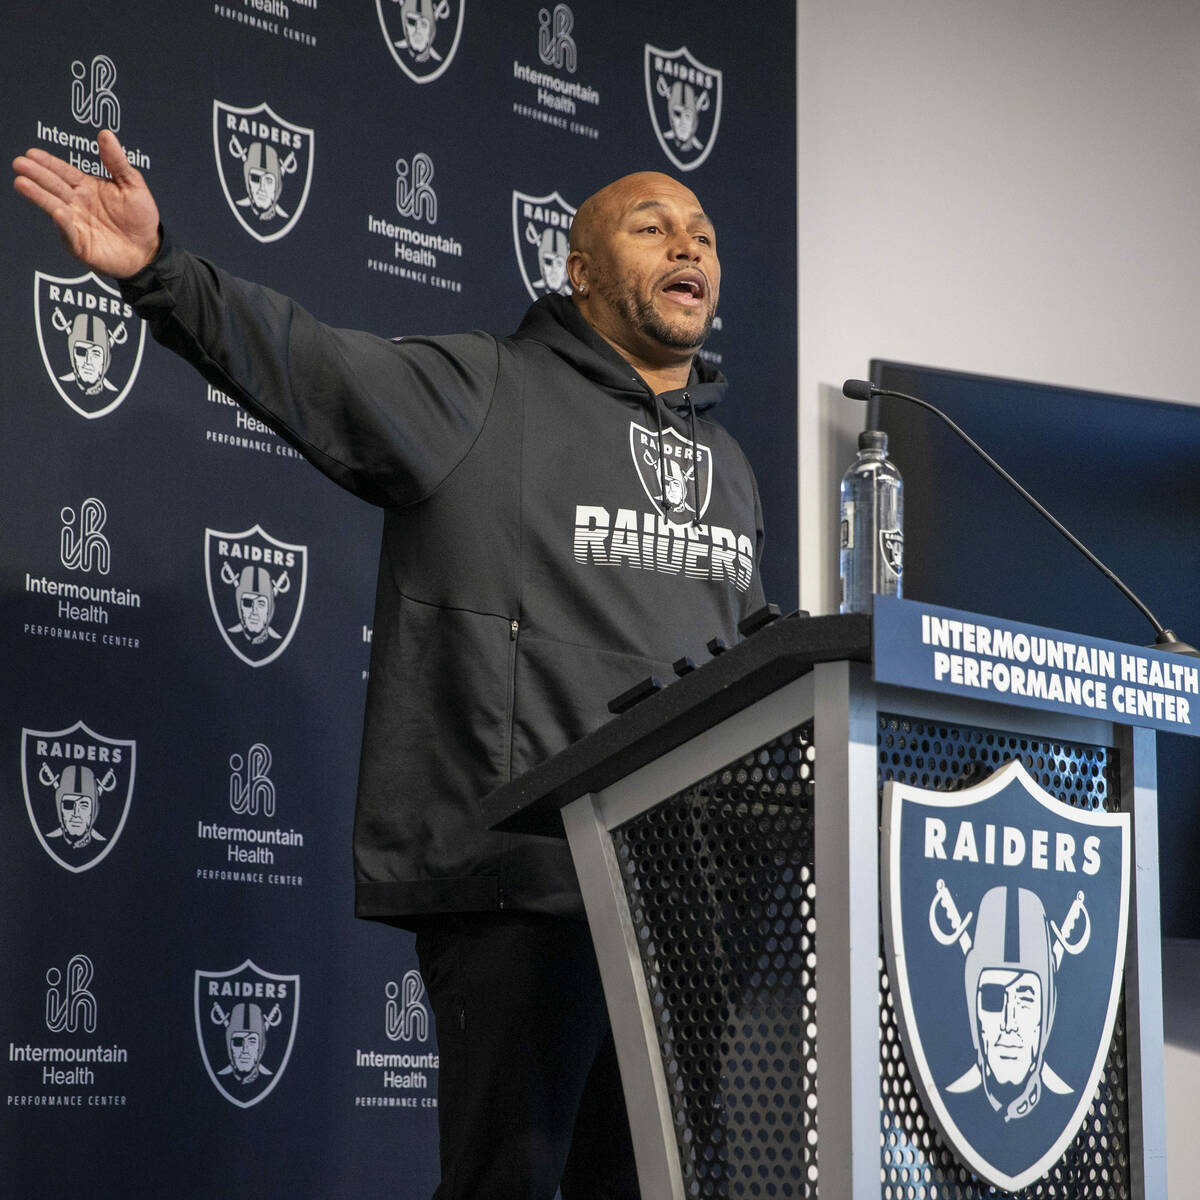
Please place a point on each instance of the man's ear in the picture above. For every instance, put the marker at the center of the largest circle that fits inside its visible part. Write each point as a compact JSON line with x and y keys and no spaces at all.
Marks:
{"x":577,"y":272}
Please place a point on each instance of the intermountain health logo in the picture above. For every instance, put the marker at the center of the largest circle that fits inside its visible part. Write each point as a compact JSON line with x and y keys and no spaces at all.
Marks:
{"x":541,"y":234}
{"x":265,"y":164}
{"x":685,"y":104}
{"x":553,"y":96}
{"x":422,"y":35}
{"x":1005,"y":917}
{"x":256,"y":586}
{"x":246,"y":1025}
{"x":91,"y":342}
{"x":78,"y":788}
{"x":411,"y":248}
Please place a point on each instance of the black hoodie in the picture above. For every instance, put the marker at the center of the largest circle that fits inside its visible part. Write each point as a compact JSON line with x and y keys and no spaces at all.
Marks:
{"x":553,"y":533}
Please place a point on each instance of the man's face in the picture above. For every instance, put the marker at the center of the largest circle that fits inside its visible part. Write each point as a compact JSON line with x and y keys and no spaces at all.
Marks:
{"x":654,"y":268}
{"x":255,"y":611}
{"x":75,"y":809}
{"x":1008,"y":1009}
{"x":88,"y":360}
{"x":245,"y":1047}
{"x":264,"y":188}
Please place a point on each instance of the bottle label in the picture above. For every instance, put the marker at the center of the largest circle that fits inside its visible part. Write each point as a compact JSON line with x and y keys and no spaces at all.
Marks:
{"x":848,"y":525}
{"x":891,"y":550}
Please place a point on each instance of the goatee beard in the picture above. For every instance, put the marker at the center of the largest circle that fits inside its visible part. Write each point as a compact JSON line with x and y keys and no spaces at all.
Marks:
{"x":642,"y":315}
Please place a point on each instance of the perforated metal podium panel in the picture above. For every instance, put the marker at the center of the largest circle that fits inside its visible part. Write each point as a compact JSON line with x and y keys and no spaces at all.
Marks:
{"x":721,"y":882}
{"x":720,"y":885}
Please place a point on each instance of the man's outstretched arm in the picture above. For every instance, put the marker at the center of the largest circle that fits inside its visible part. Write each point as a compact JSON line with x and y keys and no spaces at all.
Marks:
{"x":111,"y":224}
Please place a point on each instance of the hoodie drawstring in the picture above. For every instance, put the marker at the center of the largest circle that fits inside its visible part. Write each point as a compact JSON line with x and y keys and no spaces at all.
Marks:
{"x":695,"y":461}
{"x":662,"y":460}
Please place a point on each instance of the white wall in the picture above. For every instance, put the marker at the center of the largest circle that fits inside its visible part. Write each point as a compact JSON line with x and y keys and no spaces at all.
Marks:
{"x":1008,"y":187}
{"x":1013,"y":188}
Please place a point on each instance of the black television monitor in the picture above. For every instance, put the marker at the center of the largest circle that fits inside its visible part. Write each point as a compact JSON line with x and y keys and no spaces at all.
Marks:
{"x":1122,"y":473}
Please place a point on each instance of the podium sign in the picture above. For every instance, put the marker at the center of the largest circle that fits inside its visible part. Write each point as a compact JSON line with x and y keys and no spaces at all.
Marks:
{"x":1005,"y":915}
{"x":964,"y":654}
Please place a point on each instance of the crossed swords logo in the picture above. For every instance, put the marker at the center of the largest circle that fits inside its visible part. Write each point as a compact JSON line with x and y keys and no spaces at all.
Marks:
{"x":957,"y":932}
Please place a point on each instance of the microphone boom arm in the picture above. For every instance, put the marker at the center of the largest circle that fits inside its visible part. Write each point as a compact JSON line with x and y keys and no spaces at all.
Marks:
{"x":1165,"y":639}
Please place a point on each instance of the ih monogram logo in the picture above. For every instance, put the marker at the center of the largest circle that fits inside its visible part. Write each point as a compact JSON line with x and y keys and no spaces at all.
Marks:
{"x":415,"y":197}
{"x":93,"y":102}
{"x":556,"y":46}
{"x":406,"y":1019}
{"x":70,"y":1005}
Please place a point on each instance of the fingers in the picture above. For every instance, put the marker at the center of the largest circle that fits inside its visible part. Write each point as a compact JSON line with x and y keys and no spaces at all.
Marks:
{"x":46,"y":173}
{"x":112,"y":155}
{"x":44,"y":167}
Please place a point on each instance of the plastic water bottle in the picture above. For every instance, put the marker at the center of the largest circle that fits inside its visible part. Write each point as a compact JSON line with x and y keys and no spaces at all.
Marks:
{"x":872,"y":556}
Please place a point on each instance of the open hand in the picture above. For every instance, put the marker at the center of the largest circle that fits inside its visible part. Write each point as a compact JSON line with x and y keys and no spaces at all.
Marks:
{"x":111,"y":224}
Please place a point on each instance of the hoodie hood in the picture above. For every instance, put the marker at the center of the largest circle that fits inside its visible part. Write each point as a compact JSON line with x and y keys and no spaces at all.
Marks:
{"x":556,"y":323}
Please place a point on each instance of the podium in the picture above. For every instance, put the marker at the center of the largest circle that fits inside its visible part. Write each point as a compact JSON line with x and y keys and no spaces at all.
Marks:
{"x":726,"y":832}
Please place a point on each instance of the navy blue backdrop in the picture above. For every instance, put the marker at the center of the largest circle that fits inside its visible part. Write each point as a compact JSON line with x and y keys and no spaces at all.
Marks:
{"x":175,"y":804}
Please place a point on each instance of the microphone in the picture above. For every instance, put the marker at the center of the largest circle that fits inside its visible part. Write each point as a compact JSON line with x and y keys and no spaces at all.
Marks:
{"x":1164,"y":639}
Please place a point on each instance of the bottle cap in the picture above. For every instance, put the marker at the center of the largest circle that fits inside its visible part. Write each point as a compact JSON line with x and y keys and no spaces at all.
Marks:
{"x":873,"y":439}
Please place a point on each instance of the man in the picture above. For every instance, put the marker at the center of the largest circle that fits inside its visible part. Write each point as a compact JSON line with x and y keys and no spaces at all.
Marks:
{"x":561,"y":520}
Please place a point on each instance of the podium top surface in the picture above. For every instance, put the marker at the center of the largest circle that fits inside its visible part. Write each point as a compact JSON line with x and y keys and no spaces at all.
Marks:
{"x":767,"y":660}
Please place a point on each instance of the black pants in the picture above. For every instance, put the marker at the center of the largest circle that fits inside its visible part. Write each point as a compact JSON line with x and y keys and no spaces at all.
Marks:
{"x":528,"y":1092}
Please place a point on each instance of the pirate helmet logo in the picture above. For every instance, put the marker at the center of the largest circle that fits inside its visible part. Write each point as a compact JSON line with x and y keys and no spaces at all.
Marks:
{"x":541,"y":236}
{"x":78,"y":789}
{"x":1033,"y":893}
{"x":246,"y":1025}
{"x":91,"y":342}
{"x":676,"y":473}
{"x":265,"y":164}
{"x":422,"y":35}
{"x":685,"y":104}
{"x":256,"y":587}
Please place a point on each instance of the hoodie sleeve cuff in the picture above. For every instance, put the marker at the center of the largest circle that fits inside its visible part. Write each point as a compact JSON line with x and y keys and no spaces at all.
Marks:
{"x":137,"y":287}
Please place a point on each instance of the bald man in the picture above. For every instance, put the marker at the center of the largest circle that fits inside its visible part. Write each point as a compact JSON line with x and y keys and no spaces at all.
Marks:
{"x":561,"y":519}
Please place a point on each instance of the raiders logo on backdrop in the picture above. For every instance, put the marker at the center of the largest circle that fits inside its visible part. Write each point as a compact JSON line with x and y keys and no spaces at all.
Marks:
{"x":677,"y":480}
{"x":256,"y":587}
{"x":265,"y":164}
{"x":91,"y":342}
{"x":78,"y":788}
{"x":422,"y":35}
{"x":246,"y":1026}
{"x":685,"y":104}
{"x":541,"y":233}
{"x":1005,"y":917}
